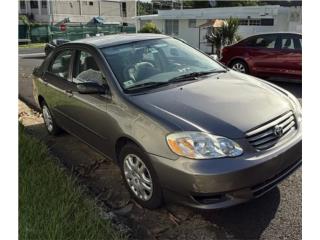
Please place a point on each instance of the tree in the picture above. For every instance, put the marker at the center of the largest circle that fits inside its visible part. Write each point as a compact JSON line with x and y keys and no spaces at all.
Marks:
{"x":149,"y":28}
{"x":29,"y":23}
{"x":225,"y":35}
{"x":144,"y":8}
{"x":237,"y":3}
{"x":196,"y":4}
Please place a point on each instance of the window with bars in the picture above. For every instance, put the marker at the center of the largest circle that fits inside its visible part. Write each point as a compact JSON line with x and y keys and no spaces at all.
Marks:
{"x":22,"y":5}
{"x":255,"y":22}
{"x":44,"y":4}
{"x":34,"y":4}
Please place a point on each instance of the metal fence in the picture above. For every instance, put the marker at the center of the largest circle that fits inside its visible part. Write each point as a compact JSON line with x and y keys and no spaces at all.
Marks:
{"x":46,"y":33}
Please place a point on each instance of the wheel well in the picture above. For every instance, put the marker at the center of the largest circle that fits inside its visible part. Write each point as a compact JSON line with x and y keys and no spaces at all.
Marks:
{"x":121,"y":142}
{"x":40,"y":100}
{"x":239,"y":60}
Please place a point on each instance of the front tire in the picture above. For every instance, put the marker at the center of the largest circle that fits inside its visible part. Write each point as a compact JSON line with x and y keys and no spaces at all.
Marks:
{"x":239,"y":66}
{"x":139,"y":176}
{"x":49,"y":122}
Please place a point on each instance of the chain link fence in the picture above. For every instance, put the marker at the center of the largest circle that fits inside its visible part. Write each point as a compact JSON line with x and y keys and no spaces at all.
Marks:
{"x":46,"y":33}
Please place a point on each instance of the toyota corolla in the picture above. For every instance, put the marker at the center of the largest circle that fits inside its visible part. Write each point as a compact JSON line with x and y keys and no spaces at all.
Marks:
{"x":181,"y":126}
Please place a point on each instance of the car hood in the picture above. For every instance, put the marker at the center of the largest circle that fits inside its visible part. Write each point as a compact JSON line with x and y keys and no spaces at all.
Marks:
{"x":227,"y":104}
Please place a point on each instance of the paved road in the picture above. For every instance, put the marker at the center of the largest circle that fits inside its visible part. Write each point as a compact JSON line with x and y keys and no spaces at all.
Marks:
{"x":277,"y":215}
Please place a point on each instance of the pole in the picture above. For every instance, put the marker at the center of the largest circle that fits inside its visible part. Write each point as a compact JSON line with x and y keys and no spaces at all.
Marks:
{"x":99,"y":5}
{"x":136,"y":15}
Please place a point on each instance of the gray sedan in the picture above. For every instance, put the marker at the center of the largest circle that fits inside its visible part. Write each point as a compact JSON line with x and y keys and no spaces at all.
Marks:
{"x":181,"y":126}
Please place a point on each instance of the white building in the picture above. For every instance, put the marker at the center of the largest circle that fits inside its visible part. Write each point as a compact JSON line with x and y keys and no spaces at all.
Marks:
{"x":79,"y":11}
{"x":253,"y":19}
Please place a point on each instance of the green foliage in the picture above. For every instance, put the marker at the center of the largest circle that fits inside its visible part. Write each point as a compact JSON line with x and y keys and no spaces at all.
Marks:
{"x":150,"y":27}
{"x":225,"y":35}
{"x":144,"y":8}
{"x":51,"y":203}
{"x":237,"y":3}
{"x":24,"y":20}
{"x":196,"y":4}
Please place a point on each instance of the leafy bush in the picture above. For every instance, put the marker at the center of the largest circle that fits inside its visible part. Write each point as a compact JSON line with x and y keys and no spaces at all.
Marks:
{"x":149,"y":28}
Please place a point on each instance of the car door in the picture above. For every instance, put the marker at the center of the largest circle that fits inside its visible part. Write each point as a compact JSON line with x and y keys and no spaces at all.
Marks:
{"x":290,"y":55}
{"x":263,"y":53}
{"x":59,"y":86}
{"x":88,"y":112}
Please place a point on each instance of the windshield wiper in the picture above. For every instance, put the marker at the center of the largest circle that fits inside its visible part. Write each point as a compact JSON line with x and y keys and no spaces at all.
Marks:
{"x":146,"y":85}
{"x":193,"y":76}
{"x":185,"y":77}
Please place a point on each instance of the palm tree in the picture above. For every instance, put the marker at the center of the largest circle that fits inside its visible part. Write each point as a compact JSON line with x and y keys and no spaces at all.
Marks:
{"x":225,"y":35}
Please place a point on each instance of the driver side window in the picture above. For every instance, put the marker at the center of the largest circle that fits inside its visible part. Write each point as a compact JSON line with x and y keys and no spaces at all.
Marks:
{"x":87,"y":70}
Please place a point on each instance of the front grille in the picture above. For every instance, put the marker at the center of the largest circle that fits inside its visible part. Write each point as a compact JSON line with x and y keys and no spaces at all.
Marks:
{"x":268,"y":134}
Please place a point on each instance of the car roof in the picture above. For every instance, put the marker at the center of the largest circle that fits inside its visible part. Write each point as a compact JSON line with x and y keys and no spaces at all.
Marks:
{"x":117,"y":39}
{"x":274,"y":33}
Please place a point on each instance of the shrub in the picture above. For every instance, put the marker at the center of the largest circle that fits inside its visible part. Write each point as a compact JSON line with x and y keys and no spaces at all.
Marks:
{"x":149,"y":28}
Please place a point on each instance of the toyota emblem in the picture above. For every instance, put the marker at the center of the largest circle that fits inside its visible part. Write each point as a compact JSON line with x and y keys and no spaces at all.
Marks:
{"x":278,"y":131}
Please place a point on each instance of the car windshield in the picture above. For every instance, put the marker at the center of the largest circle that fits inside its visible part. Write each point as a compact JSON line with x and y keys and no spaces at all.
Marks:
{"x":157,"y":62}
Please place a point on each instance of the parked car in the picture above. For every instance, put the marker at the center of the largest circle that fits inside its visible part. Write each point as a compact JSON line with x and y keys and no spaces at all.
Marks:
{"x":275,"y":55}
{"x":181,"y":126}
{"x":53,"y":44}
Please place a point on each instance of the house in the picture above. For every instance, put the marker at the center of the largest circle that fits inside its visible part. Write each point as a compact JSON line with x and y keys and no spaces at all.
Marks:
{"x":190,"y":24}
{"x":79,"y":11}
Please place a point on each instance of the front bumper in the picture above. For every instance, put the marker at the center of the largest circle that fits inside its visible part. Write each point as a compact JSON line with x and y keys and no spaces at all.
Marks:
{"x":219,"y":183}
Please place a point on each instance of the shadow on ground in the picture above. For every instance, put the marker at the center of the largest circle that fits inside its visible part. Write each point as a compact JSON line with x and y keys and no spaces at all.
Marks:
{"x":249,"y":220}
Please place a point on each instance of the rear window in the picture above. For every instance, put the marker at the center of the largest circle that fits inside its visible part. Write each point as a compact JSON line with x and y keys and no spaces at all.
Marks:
{"x":263,"y":41}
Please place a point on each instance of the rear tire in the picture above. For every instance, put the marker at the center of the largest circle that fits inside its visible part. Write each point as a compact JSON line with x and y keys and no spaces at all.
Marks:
{"x":140,"y":177}
{"x":239,"y":66}
{"x":49,"y":122}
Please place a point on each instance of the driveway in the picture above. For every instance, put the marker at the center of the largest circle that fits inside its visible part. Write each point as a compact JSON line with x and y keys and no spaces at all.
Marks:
{"x":277,"y":215}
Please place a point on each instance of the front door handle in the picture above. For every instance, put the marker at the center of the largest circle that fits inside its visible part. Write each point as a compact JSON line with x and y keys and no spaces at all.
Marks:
{"x":69,"y":93}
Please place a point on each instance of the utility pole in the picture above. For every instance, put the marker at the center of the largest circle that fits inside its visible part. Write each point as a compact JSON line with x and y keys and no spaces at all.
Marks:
{"x":136,"y":15}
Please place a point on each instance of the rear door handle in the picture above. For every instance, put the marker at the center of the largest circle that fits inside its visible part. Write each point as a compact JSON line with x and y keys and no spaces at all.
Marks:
{"x":69,"y":93}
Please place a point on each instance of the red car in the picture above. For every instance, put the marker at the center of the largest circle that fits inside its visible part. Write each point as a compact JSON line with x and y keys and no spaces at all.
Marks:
{"x":272,"y":55}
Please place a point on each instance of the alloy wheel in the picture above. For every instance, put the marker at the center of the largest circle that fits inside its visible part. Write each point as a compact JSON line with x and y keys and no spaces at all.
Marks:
{"x":138,"y":177}
{"x":47,"y":118}
{"x":239,"y":67}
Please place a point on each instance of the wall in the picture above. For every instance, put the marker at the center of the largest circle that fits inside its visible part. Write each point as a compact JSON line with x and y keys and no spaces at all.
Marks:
{"x":66,"y":7}
{"x":82,"y":11}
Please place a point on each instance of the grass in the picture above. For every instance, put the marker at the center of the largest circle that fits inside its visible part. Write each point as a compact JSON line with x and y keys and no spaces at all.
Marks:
{"x":51,"y":204}
{"x":32,"y":45}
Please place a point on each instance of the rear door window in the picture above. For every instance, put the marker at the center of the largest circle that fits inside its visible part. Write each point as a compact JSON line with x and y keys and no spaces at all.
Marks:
{"x":263,"y":41}
{"x":61,"y":64}
{"x":290,"y":42}
{"x":287,"y":43}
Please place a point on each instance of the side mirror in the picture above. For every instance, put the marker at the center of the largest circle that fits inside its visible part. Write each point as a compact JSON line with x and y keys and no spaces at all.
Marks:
{"x":91,"y":88}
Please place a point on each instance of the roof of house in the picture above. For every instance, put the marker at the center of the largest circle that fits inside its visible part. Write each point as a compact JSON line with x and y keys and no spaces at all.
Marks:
{"x":213,"y":13}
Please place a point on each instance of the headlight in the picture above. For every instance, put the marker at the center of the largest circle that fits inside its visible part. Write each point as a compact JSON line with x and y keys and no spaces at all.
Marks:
{"x":200,"y":145}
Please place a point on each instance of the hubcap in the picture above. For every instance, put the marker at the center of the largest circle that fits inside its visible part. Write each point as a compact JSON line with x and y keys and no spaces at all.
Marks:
{"x":239,"y":67}
{"x":138,"y":177}
{"x":47,"y":118}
